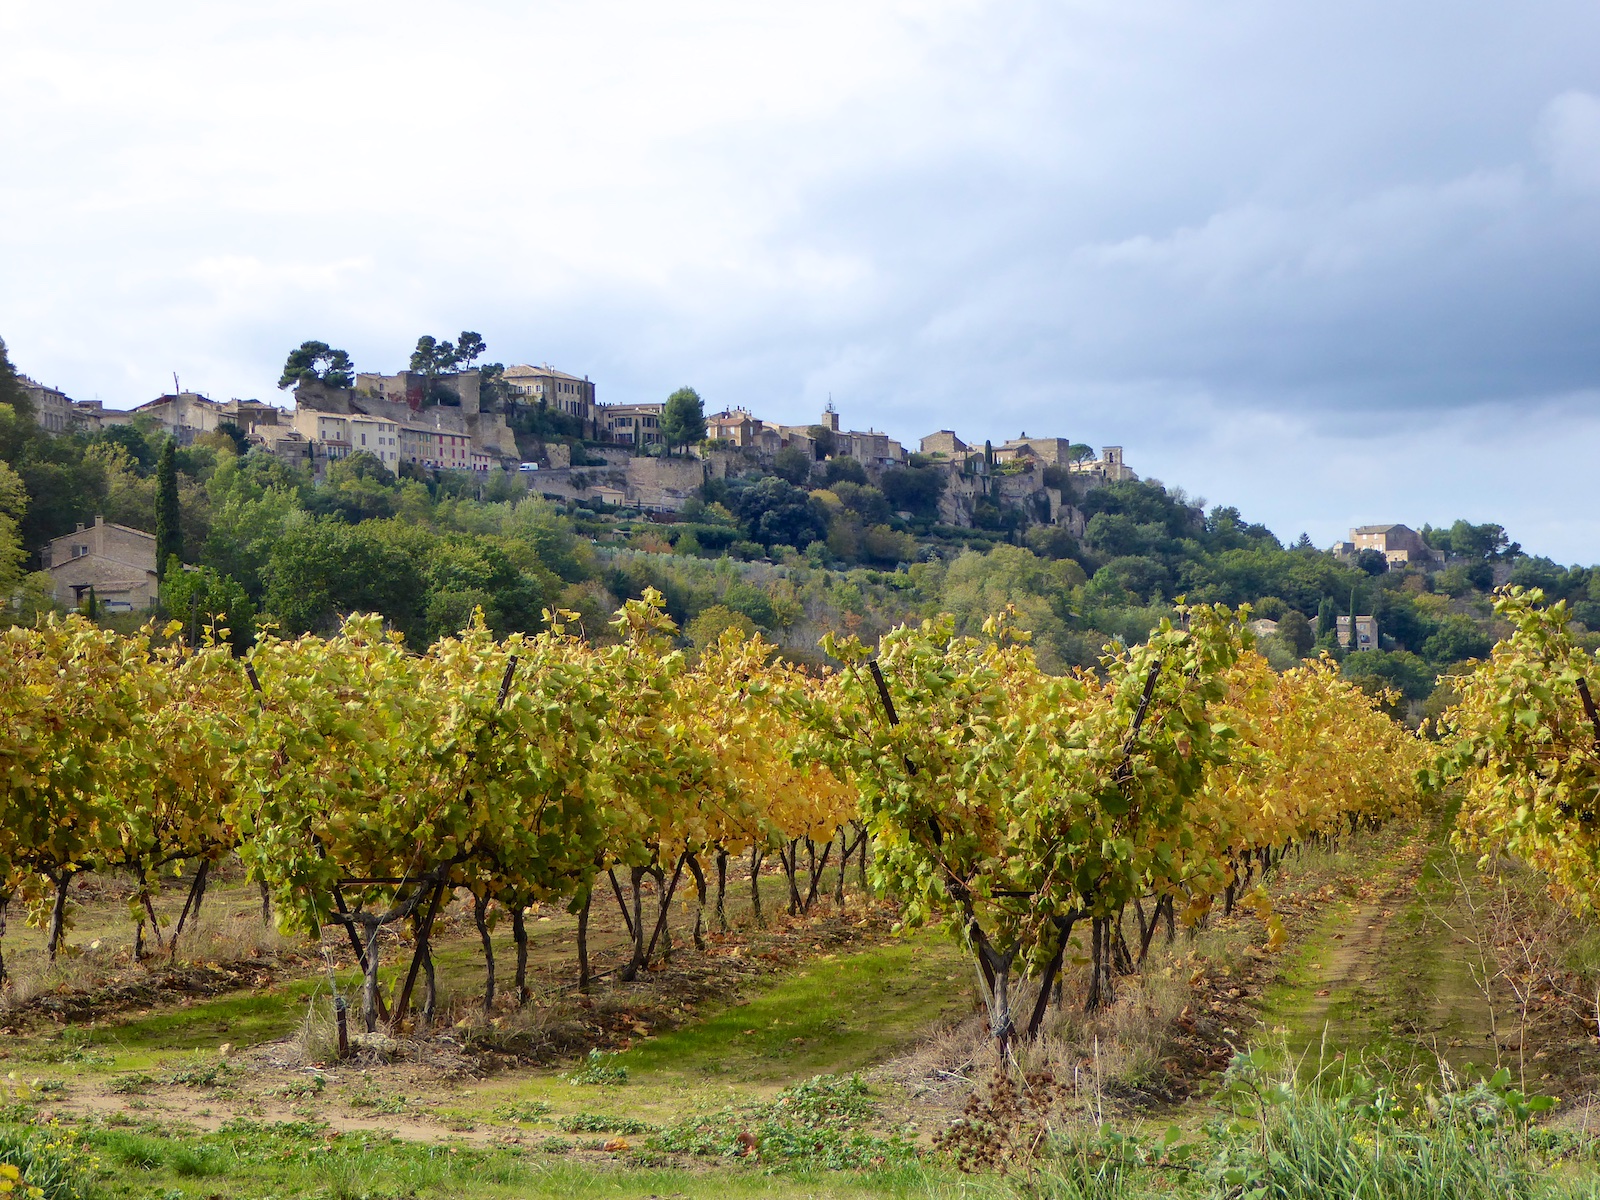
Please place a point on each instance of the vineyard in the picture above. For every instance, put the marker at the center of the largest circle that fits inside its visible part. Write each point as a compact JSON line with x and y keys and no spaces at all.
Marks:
{"x":363,"y":785}
{"x":1064,"y":834}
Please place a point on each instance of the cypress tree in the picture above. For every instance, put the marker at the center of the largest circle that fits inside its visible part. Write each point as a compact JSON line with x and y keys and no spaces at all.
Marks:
{"x":169,"y":535}
{"x":1328,"y":619}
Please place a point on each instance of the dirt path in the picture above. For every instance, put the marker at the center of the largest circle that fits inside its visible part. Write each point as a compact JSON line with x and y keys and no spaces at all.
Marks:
{"x":1349,"y":962}
{"x":1383,"y":976}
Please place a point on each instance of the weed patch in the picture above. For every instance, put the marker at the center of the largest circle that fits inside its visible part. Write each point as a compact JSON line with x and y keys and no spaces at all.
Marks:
{"x":600,"y":1123}
{"x":524,"y":1110}
{"x":600,"y":1068}
{"x":817,"y":1124}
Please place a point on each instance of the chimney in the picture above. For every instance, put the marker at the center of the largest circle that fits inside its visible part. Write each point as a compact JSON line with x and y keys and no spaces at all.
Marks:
{"x":79,"y":528}
{"x":99,"y":520}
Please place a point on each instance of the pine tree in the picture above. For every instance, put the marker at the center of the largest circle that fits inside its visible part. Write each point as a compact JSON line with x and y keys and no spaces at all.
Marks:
{"x":169,"y":534}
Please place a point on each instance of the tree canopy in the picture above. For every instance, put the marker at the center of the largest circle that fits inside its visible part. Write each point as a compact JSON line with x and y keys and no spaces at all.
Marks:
{"x":317,"y":362}
{"x":683,"y":420}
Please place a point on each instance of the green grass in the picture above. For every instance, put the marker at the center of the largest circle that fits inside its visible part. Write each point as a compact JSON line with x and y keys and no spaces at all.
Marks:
{"x":147,"y":1043}
{"x":302,"y":1159}
{"x":832,"y":1016}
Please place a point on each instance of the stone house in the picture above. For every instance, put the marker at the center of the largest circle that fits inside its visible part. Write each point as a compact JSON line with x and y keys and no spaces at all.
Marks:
{"x":1400,"y":545}
{"x":330,"y":430}
{"x":286,"y":444}
{"x":52,"y":410}
{"x":119,"y":563}
{"x":377,"y":436}
{"x":869,"y":448}
{"x":944,"y":444}
{"x":735,"y":425}
{"x":1366,"y":633}
{"x":632,"y":424}
{"x":563,"y":392}
{"x":185,"y":415}
{"x":1051,"y":451}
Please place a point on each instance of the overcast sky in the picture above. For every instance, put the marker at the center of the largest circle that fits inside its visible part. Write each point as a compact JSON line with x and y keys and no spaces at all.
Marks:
{"x":1333,"y":263}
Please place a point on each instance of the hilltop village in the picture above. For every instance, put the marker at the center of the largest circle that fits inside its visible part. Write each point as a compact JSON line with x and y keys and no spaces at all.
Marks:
{"x":548,"y":426}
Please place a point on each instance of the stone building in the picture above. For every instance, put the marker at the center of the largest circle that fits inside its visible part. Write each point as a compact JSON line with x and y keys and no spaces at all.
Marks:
{"x":55,"y":412}
{"x":184,"y":415}
{"x":343,"y":435}
{"x":869,"y":448}
{"x":415,"y":390}
{"x":734,"y":425}
{"x":52,"y":409}
{"x":1366,"y":633}
{"x":631,"y":424}
{"x":93,"y":416}
{"x":1051,"y":451}
{"x":187,"y":415}
{"x":563,"y":392}
{"x":117,"y":562}
{"x":1400,"y":545}
{"x":944,"y":444}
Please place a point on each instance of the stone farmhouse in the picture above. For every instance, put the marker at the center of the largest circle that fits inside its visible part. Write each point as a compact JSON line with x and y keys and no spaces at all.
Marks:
{"x":1400,"y":545}
{"x":117,"y":562}
{"x":1366,"y":633}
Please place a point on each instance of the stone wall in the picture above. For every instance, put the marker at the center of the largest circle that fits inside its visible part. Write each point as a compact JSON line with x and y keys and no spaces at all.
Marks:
{"x":663,"y":482}
{"x":651,"y":483}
